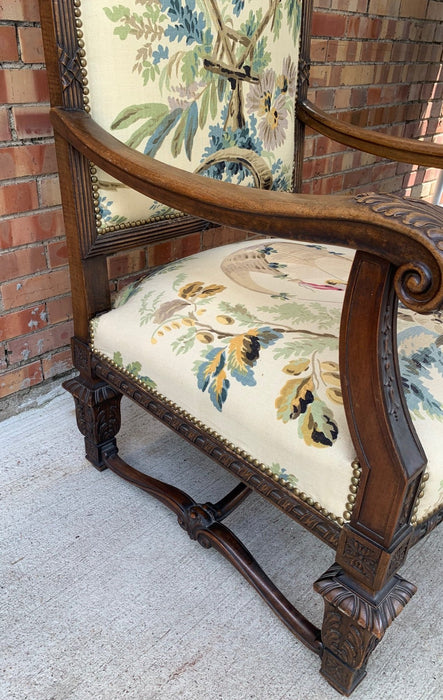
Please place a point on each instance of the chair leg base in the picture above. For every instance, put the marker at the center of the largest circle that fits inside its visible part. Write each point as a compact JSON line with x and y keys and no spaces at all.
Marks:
{"x":97,"y":408}
{"x":347,"y":650}
{"x":339,"y":675}
{"x":354,"y":623}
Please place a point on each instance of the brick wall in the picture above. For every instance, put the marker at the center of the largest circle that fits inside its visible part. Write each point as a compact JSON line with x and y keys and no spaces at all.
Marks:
{"x":35,"y":311}
{"x":378,"y":64}
{"x":382,"y":71}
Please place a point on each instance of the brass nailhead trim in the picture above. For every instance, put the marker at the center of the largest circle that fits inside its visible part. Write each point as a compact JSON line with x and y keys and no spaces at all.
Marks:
{"x":414,"y":519}
{"x":353,"y":488}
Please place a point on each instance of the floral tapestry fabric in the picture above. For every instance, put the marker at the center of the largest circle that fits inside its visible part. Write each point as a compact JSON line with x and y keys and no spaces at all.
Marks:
{"x":245,"y":338}
{"x":206,"y":85}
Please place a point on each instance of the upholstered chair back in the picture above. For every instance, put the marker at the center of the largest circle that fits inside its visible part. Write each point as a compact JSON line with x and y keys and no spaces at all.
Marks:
{"x":208,"y":85}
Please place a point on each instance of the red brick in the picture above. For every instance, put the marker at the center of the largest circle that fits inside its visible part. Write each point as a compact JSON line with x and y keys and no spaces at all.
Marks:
{"x":21,"y":230}
{"x":23,"y":85}
{"x":118,"y":285}
{"x":32,"y":289}
{"x":20,"y":161}
{"x":413,"y":178}
{"x":50,"y":195}
{"x":58,"y":363}
{"x":32,"y":121}
{"x":319,"y":49}
{"x":126,"y":263}
{"x":19,"y":379}
{"x":328,"y":24}
{"x":160,"y":253}
{"x":434,"y":10}
{"x":23,"y":322}
{"x":320,"y":76}
{"x":59,"y":309}
{"x":430,"y":174}
{"x":5,"y":131}
{"x":414,"y":9}
{"x":353,"y":5}
{"x":342,"y":98}
{"x":24,"y":10}
{"x":222,"y":235}
{"x":325,"y":99}
{"x":8,"y":44}
{"x":22,"y":262}
{"x":57,"y":253}
{"x":18,"y":197}
{"x":187,"y":245}
{"x":381,"y":7}
{"x":31,"y":44}
{"x":35,"y":344}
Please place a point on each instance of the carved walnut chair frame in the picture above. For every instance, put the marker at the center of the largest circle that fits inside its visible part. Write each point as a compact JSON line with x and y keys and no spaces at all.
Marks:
{"x":399,"y":255}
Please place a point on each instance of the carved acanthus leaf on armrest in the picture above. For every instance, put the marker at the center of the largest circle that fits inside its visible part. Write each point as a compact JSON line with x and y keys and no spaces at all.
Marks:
{"x":413,"y":280}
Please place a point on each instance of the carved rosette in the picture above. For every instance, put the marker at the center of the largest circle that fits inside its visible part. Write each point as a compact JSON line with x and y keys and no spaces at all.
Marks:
{"x":197,"y":519}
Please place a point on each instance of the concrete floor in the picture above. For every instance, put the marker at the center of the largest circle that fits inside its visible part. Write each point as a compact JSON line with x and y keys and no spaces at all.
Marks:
{"x":104,"y":597}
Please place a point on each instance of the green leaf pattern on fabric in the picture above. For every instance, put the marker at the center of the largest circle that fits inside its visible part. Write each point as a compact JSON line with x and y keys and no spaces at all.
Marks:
{"x":134,"y":369}
{"x":213,"y":67}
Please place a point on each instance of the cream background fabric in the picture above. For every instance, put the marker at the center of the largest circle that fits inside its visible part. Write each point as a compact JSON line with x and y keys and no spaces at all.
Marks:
{"x":136,"y":57}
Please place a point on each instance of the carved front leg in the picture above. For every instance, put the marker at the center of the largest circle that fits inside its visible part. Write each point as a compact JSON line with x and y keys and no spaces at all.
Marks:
{"x":353,"y":624}
{"x":98,"y":417}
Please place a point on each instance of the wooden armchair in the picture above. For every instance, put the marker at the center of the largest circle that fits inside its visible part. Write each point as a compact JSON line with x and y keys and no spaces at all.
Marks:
{"x":286,"y":357}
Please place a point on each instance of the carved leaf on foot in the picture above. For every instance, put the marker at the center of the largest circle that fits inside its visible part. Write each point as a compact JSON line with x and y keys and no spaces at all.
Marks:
{"x":373,"y":618}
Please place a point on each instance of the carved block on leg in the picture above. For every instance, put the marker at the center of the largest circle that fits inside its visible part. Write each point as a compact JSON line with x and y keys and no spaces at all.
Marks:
{"x":97,"y":408}
{"x":353,"y":624}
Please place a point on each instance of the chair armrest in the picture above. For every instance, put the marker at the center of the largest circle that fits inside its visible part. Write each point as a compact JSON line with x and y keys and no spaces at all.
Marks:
{"x":396,"y":148}
{"x":407,"y":234}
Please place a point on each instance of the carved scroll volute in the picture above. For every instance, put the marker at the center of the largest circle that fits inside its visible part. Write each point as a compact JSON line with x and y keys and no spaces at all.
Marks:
{"x":388,"y":449}
{"x":418,"y":281}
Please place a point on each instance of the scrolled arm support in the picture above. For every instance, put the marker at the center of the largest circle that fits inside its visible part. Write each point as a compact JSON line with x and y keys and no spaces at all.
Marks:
{"x":418,"y":281}
{"x":414,"y":285}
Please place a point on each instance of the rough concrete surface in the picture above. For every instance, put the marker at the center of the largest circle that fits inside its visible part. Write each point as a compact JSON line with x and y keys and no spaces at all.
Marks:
{"x":103,"y":596}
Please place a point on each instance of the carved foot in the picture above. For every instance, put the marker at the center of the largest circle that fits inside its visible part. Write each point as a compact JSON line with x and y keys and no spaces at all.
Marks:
{"x":353,"y":625}
{"x":97,"y":408}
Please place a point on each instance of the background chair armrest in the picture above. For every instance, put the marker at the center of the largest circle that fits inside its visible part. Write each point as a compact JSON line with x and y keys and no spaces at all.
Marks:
{"x":396,"y":148}
{"x":409,"y":235}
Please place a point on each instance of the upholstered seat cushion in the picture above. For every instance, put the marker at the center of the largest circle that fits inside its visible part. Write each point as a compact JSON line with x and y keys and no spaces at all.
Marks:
{"x":245,"y":339}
